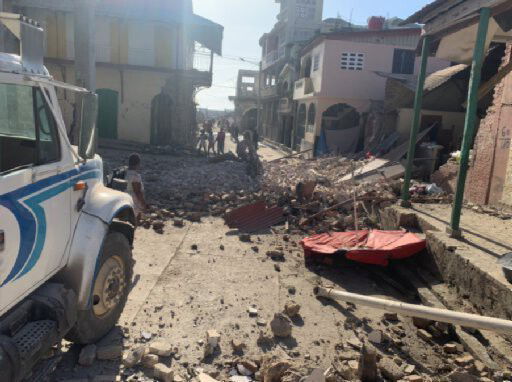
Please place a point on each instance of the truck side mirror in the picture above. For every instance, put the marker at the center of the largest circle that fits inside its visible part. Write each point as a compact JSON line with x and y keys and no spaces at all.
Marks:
{"x":87,"y":114}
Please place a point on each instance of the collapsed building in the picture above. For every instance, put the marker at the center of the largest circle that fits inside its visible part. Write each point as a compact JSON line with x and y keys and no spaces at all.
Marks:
{"x":246,"y":99}
{"x":151,"y":58}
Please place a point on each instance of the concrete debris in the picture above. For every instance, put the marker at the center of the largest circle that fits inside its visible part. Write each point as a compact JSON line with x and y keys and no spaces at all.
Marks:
{"x":160,"y":348}
{"x":367,"y":368}
{"x":237,"y":345}
{"x":281,"y":325}
{"x":390,"y":369}
{"x":292,"y":309}
{"x":273,"y":370}
{"x":109,"y":352}
{"x":203,"y":377}
{"x":133,"y":356}
{"x":163,"y":373}
{"x":150,"y":360}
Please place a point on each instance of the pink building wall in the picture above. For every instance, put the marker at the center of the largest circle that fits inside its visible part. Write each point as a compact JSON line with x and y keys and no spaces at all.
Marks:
{"x":365,"y":84}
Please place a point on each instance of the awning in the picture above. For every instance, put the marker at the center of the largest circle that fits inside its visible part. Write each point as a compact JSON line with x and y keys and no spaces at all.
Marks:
{"x":207,"y":33}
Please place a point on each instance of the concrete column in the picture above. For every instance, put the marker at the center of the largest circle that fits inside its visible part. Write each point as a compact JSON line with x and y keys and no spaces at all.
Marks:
{"x":2,"y":45}
{"x":85,"y":44}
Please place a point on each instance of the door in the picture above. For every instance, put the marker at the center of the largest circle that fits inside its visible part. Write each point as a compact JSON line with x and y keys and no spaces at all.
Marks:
{"x":34,"y":193}
{"x":108,"y":105}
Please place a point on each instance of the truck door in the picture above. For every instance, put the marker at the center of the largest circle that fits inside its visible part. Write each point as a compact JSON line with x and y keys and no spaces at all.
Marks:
{"x":35,"y":190}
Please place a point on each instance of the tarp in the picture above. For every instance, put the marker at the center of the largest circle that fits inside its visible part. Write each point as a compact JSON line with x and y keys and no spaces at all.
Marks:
{"x":369,"y":247}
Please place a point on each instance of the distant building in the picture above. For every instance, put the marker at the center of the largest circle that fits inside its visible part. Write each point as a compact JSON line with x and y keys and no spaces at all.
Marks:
{"x":298,"y":22}
{"x":150,"y":58}
{"x":246,"y":99}
{"x":339,"y":82}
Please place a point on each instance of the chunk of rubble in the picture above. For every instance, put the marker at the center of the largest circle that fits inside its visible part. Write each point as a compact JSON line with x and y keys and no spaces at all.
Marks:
{"x":133,"y":356}
{"x":160,"y":348}
{"x":281,"y":325}
{"x":163,"y":373}
{"x":292,"y":309}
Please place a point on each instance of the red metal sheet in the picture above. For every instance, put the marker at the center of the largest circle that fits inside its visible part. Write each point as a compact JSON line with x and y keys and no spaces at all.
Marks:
{"x":369,"y":247}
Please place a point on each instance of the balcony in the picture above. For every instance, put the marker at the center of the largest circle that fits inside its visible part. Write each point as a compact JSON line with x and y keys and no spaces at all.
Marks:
{"x":303,"y":88}
{"x":273,"y":57}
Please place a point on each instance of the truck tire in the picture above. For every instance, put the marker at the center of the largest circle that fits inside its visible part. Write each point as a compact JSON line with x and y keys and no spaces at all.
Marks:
{"x":109,"y":291}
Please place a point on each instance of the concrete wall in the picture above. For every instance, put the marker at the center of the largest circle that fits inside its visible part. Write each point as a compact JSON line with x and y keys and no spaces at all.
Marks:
{"x":136,"y":90}
{"x":365,"y":84}
{"x":405,"y":116}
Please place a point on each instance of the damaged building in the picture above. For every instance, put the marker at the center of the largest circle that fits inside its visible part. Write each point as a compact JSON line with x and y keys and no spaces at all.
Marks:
{"x":342,"y":80}
{"x":246,"y":99}
{"x":151,"y":58}
{"x":298,"y":22}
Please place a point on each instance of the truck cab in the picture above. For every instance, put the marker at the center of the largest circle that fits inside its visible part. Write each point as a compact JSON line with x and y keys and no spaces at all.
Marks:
{"x":65,"y":238}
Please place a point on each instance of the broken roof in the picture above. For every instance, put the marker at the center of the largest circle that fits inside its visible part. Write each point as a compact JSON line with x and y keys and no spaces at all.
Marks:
{"x":432,"y":81}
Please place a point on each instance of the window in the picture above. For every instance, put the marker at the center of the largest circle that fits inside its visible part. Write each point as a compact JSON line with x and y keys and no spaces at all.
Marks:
{"x":403,"y":61}
{"x":352,"y":61}
{"x":316,"y":62}
{"x":28,"y":133}
{"x":311,"y":114}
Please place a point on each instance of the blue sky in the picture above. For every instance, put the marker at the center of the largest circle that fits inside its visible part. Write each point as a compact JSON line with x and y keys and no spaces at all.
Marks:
{"x":245,"y":21}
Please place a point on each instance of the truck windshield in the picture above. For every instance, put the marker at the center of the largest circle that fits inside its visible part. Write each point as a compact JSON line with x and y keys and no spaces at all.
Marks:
{"x":28,"y":134}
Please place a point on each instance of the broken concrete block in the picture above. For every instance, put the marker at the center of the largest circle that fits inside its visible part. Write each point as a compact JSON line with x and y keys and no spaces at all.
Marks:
{"x":355,"y":343}
{"x":292,"y":309}
{"x":253,"y":312}
{"x":109,"y":352}
{"x":239,"y":378}
{"x":87,"y":355}
{"x":375,"y":337}
{"x":133,"y":357}
{"x":409,"y":369}
{"x":160,"y":348}
{"x":203,"y":377}
{"x":281,"y":325}
{"x":250,"y":365}
{"x":424,"y":335}
{"x":242,"y":370}
{"x":465,"y":360}
{"x":349,"y":369}
{"x":450,"y":348}
{"x":212,"y":338}
{"x":415,"y":378}
{"x":237,"y":345}
{"x":421,"y":323}
{"x":276,"y":255}
{"x":367,"y":369}
{"x":163,"y":373}
{"x":390,"y":316}
{"x":150,"y":360}
{"x":390,"y":369}
{"x":178,"y":223}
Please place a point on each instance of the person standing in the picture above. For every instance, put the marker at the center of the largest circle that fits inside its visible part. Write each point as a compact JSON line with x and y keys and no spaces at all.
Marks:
{"x":135,"y":187}
{"x":203,"y":138}
{"x":221,"y":139}
{"x":211,"y":142}
{"x":236,"y":132}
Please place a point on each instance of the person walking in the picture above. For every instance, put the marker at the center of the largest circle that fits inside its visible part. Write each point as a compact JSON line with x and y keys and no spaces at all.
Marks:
{"x":255,"y":138}
{"x":221,"y":138}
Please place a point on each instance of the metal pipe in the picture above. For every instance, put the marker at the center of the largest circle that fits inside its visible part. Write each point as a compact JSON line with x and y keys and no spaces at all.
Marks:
{"x":469,"y":124}
{"x":475,"y":321}
{"x":418,"y":103}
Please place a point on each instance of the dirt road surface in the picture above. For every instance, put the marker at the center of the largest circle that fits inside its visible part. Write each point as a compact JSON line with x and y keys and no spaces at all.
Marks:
{"x":202,"y":276}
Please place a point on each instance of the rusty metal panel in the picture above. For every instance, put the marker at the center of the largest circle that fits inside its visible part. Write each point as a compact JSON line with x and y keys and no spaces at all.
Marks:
{"x":255,"y":217}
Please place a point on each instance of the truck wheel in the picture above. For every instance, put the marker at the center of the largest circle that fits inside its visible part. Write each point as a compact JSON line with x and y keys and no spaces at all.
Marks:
{"x":109,"y":292}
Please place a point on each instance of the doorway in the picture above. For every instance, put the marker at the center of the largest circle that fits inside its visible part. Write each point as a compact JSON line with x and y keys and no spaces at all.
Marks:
{"x":108,"y":106}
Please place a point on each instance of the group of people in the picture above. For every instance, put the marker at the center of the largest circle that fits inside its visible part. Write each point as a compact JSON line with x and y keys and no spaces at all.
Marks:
{"x":207,"y":139}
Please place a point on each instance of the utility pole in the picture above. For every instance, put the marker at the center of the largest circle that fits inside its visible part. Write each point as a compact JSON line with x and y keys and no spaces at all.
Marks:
{"x":85,"y":44}
{"x":2,"y":43}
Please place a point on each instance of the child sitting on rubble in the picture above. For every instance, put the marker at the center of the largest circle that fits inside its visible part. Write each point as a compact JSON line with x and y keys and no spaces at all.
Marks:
{"x":135,"y":186}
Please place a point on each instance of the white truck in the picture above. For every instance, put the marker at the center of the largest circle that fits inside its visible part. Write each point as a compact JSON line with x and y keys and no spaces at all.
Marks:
{"x":65,"y":239}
